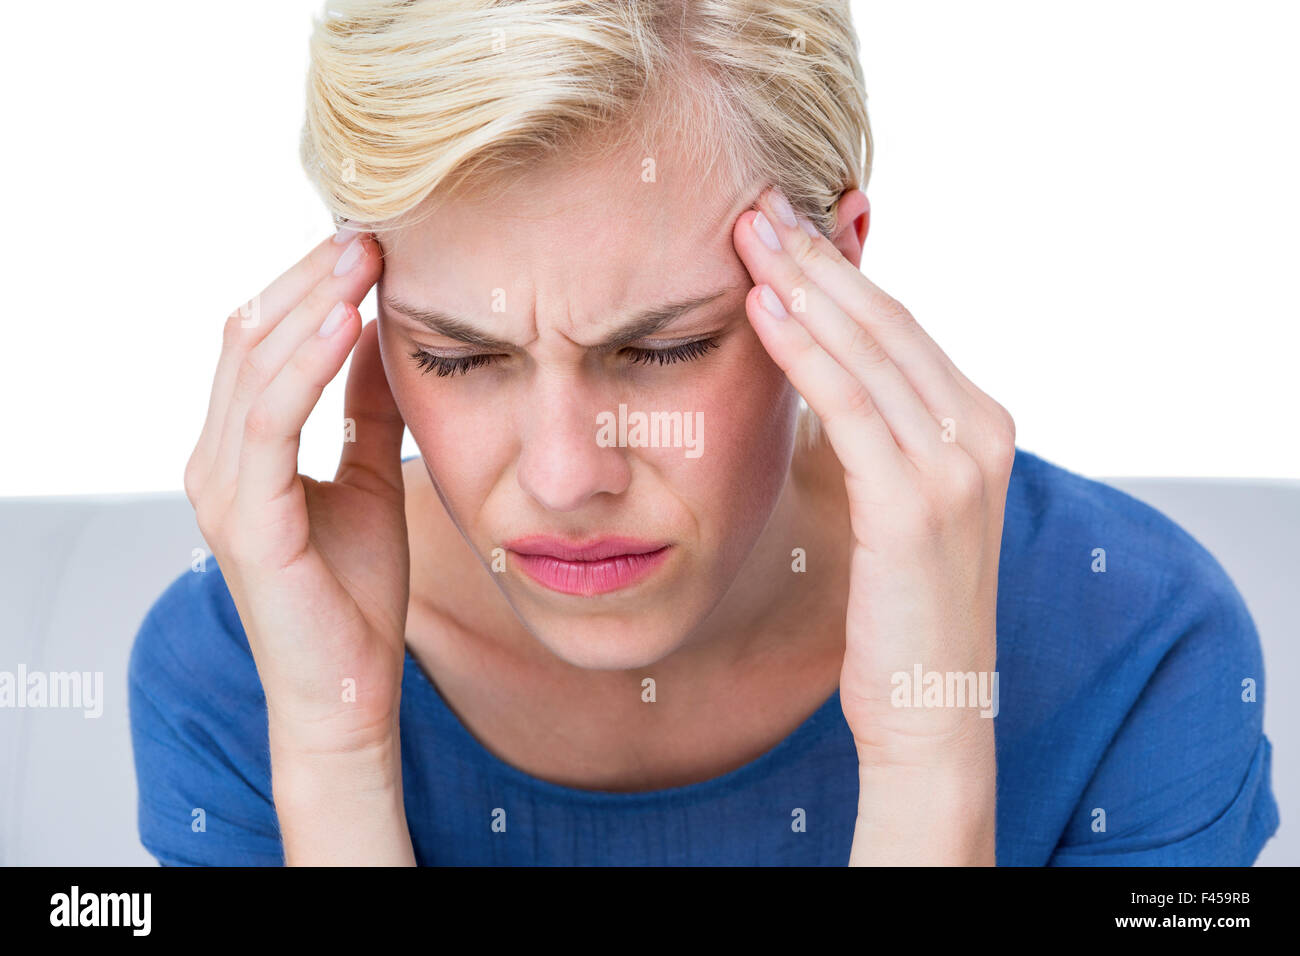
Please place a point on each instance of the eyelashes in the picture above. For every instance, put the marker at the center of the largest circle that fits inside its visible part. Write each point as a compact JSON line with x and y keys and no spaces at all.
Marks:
{"x":461,"y":364}
{"x":448,"y":366}
{"x":678,"y":353}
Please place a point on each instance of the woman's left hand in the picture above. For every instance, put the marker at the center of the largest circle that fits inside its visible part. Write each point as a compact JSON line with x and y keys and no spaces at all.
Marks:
{"x":927,"y":459}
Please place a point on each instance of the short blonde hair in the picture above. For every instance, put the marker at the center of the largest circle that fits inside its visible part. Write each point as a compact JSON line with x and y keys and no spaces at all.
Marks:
{"x":406,"y":96}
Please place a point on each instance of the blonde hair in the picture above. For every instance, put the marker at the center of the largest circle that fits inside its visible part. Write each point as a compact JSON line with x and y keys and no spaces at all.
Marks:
{"x":408,"y":96}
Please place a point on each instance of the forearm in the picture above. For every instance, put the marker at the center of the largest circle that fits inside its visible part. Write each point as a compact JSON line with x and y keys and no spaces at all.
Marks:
{"x":341,"y":809}
{"x":938,"y":815}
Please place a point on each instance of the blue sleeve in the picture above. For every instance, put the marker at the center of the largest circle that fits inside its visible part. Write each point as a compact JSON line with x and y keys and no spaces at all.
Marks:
{"x":1186,"y":779}
{"x":201,"y":760}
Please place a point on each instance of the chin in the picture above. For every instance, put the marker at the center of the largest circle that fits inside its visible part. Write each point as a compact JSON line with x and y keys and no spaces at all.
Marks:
{"x":609,"y":643}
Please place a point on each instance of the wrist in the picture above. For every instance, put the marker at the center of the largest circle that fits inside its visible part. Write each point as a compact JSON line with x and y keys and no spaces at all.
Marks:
{"x":300,"y":733}
{"x":304,"y":774}
{"x":342,"y":808}
{"x":926,"y":814}
{"x":958,"y":748}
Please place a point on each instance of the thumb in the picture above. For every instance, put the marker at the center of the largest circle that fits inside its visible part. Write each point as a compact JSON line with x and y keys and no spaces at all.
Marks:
{"x":372,"y":449}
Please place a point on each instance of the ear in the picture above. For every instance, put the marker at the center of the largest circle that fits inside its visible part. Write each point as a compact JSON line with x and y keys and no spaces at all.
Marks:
{"x":853,"y":219}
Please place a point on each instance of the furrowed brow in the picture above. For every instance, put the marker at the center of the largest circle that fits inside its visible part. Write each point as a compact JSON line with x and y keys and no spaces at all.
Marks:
{"x":637,"y":327}
{"x":445,"y":323}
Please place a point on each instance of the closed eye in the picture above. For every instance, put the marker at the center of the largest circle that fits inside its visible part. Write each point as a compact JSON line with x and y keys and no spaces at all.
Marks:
{"x":678,"y":353}
{"x":445,"y":365}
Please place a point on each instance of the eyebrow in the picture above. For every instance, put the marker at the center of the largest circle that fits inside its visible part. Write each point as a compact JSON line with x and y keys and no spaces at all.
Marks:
{"x":637,"y":327}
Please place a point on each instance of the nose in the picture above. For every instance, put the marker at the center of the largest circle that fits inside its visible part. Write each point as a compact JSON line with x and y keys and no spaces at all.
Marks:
{"x":561,"y":464}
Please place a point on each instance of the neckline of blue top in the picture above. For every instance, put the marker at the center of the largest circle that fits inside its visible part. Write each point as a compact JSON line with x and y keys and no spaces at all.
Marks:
{"x":795,"y":744}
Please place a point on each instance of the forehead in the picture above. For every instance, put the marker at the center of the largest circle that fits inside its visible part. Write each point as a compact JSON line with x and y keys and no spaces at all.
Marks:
{"x":582,"y":241}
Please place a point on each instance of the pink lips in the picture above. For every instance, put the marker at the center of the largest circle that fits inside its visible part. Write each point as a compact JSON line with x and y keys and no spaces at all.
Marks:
{"x":589,"y":568}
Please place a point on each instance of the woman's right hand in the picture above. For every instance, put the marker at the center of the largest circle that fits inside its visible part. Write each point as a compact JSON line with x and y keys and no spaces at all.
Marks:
{"x":319,"y":571}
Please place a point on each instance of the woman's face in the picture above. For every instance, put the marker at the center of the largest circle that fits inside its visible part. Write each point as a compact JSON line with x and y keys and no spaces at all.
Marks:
{"x":555,"y":286}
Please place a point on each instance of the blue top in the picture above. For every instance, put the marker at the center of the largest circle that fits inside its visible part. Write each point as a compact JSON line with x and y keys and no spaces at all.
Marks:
{"x":1120,"y":691}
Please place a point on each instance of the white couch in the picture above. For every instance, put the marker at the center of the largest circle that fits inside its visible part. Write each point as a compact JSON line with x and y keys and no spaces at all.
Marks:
{"x":78,"y":573}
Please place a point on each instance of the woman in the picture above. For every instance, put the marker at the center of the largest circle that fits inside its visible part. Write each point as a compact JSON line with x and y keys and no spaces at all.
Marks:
{"x":635,"y":602}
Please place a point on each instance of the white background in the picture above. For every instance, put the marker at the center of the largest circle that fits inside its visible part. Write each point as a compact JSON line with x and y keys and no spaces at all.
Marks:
{"x":1092,"y":207}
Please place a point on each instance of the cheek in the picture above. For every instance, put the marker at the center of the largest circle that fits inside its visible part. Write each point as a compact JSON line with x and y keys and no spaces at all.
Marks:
{"x":753,"y":407}
{"x":462,"y":441}
{"x":749,"y":413}
{"x":459,"y":435}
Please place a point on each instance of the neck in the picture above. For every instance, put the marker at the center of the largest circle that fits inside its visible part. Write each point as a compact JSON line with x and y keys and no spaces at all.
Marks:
{"x":788,"y":604}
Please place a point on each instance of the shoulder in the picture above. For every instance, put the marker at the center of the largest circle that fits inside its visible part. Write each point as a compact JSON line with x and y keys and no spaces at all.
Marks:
{"x":1127,"y":651}
{"x":1044,"y":497}
{"x":198,"y":730}
{"x":1087,"y":546}
{"x":190,"y":636}
{"x":1097,"y":587}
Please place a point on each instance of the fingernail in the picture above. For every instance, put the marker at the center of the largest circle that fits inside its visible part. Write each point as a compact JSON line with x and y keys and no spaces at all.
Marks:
{"x":351,"y":256}
{"x":766,"y":234}
{"x":344,"y":233}
{"x":772,"y":303}
{"x":781,"y":206}
{"x":333,"y":320}
{"x":808,"y":227}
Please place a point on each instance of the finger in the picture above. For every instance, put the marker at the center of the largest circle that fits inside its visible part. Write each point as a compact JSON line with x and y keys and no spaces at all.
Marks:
{"x":970,"y":418}
{"x":280,"y":297}
{"x":940,"y":383}
{"x":263,"y":363}
{"x":913,"y":349}
{"x":245,"y":328}
{"x":376,"y":451}
{"x":268,"y":454}
{"x":915,"y":427}
{"x":861,"y":438}
{"x":925,"y":364}
{"x":888,"y":322}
